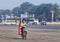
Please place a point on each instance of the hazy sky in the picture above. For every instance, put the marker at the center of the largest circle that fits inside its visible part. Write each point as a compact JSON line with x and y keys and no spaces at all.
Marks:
{"x":10,"y":4}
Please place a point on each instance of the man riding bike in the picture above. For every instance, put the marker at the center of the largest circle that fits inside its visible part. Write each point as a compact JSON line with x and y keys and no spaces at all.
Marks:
{"x":23,"y":28}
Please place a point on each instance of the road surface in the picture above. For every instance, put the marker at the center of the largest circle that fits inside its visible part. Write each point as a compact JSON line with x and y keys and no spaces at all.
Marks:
{"x":36,"y":33}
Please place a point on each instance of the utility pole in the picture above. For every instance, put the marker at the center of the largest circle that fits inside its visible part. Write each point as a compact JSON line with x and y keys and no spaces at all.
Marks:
{"x":2,"y":19}
{"x":33,"y":16}
{"x":52,"y":15}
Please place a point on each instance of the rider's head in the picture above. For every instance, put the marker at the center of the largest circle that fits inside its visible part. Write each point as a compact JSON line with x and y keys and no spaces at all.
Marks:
{"x":23,"y":21}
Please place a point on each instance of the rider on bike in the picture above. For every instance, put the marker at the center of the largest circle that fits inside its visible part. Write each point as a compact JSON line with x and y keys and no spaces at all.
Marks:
{"x":23,"y":26}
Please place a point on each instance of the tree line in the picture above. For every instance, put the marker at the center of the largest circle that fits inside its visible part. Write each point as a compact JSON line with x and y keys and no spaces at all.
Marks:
{"x":41,"y":12}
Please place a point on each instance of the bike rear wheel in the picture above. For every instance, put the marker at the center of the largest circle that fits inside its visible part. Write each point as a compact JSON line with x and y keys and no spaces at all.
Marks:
{"x":24,"y":35}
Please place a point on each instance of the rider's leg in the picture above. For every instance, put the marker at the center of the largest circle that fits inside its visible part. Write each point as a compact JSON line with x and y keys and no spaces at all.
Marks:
{"x":22,"y":32}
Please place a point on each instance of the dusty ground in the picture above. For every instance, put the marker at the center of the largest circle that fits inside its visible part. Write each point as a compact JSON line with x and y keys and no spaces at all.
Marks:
{"x":34,"y":35}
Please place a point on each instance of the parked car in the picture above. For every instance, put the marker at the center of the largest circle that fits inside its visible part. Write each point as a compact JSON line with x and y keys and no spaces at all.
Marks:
{"x":34,"y":23}
{"x":31,"y":23}
{"x":43,"y":22}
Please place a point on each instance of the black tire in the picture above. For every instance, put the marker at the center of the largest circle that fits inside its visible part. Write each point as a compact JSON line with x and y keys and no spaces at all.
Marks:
{"x":45,"y":24}
{"x":24,"y":35}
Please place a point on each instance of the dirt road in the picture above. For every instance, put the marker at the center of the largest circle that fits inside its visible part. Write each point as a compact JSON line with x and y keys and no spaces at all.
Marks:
{"x":34,"y":35}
